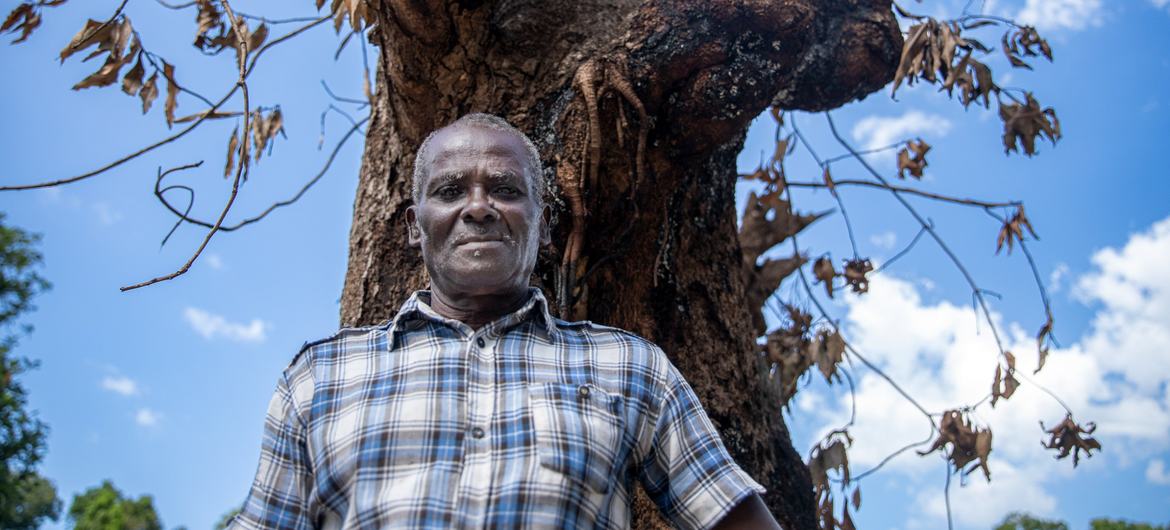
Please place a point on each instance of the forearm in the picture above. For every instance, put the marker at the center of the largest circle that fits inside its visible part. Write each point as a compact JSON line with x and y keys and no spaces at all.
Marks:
{"x":750,"y":513}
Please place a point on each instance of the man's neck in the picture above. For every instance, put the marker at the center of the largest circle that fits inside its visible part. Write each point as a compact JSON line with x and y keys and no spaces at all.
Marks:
{"x":477,"y":310}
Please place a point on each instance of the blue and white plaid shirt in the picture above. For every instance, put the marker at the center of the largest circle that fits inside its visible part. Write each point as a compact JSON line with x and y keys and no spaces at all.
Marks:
{"x":528,"y":422}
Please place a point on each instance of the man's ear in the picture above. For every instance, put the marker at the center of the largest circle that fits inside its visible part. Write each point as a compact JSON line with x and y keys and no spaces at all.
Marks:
{"x":545,"y":231}
{"x":413,"y":232}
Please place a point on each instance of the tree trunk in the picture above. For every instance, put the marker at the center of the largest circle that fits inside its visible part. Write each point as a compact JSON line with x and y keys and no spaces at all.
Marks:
{"x":639,"y":109}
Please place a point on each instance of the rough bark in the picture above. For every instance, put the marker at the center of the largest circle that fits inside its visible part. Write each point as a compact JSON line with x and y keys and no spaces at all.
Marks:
{"x":655,"y":246}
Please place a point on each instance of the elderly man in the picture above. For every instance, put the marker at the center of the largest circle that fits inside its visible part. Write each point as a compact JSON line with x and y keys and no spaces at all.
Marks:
{"x":474,"y":407}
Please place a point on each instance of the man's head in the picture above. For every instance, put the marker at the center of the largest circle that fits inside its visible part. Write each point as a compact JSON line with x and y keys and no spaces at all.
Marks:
{"x":478,"y":212}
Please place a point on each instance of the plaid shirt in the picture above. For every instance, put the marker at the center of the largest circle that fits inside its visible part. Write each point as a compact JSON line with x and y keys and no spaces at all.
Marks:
{"x":529,"y":421}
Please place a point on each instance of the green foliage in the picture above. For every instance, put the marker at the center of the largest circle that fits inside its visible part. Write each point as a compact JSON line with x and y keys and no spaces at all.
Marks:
{"x":226,"y":519}
{"x":26,"y":499}
{"x":1121,"y":524}
{"x":1023,"y":521}
{"x":104,"y":508}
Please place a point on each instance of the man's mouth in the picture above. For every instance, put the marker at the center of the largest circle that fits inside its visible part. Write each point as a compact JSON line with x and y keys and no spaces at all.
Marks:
{"x":478,"y":239}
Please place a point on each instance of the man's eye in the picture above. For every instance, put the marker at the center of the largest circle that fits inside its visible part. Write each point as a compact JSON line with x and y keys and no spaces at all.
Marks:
{"x":447,"y":192}
{"x":507,"y":190}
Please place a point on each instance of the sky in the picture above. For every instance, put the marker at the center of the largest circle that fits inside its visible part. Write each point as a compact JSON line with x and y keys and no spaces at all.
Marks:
{"x":163,"y":390}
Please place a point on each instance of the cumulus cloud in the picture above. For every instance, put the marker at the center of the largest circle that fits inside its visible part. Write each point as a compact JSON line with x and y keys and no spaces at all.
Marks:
{"x":1063,"y":14}
{"x":885,"y":240}
{"x":212,"y":326}
{"x":875,"y":132}
{"x":1056,"y":278}
{"x":214,"y":261}
{"x":120,"y":384}
{"x":1157,"y":474}
{"x":147,"y":417}
{"x":944,"y":355}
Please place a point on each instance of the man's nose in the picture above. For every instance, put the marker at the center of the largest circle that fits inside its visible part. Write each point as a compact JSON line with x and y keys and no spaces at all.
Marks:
{"x":479,"y":208}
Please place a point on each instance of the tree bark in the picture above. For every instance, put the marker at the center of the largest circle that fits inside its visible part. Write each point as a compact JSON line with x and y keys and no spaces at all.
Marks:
{"x":639,"y":109}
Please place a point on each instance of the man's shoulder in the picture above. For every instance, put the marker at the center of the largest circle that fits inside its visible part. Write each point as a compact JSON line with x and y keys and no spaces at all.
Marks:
{"x":344,"y":342}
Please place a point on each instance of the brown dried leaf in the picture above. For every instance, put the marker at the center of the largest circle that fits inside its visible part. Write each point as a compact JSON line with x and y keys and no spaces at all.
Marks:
{"x":1041,"y":342}
{"x":857,"y":498}
{"x":855,"y":271}
{"x":912,"y":158}
{"x":968,"y":443}
{"x":757,"y":233}
{"x":256,"y":39}
{"x":823,"y":271}
{"x":149,"y":92}
{"x":827,"y":352}
{"x":233,"y":146}
{"x":94,"y":32}
{"x":172,"y":93}
{"x":1023,"y":123}
{"x":1013,"y":230}
{"x":829,"y":181}
{"x":29,"y":18}
{"x":1070,"y":438}
{"x":830,"y":454}
{"x":207,"y":115}
{"x":996,"y":385}
{"x":132,"y":81}
{"x":104,"y":76}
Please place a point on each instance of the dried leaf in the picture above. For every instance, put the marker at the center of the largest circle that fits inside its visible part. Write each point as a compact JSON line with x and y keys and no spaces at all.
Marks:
{"x":857,"y":498}
{"x":149,"y":92}
{"x":829,"y":181}
{"x":132,"y":81}
{"x":105,"y":76}
{"x":1023,"y":123}
{"x":94,"y":32}
{"x":968,"y":444}
{"x":827,"y":352}
{"x":855,"y":271}
{"x":233,"y":146}
{"x":912,"y":158}
{"x":757,"y":233}
{"x":1042,"y":342}
{"x":828,"y":455}
{"x":256,"y":39}
{"x":823,"y":271}
{"x":1013,"y":230}
{"x":1070,"y":438}
{"x":29,"y":18}
{"x":207,"y":115}
{"x":172,"y":93}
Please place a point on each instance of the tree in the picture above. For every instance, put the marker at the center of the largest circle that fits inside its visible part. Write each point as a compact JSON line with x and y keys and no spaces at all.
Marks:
{"x":26,"y":498}
{"x":1122,"y":524}
{"x":104,"y":508}
{"x":1023,"y":521}
{"x":639,"y":109}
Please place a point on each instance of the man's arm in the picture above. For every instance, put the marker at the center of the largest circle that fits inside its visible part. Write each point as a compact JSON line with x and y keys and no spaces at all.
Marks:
{"x":751,"y":513}
{"x":281,"y":492}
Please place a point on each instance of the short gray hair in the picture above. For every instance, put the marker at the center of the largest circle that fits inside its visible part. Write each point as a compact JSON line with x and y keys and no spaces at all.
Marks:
{"x":535,"y":171}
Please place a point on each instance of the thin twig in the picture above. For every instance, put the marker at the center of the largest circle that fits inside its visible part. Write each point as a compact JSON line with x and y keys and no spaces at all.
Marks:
{"x":947,"y":494}
{"x":911,"y":191}
{"x":258,"y":18}
{"x":124,"y":159}
{"x":241,"y":170}
{"x":836,"y":196}
{"x":343,"y":99}
{"x":902,"y":252}
{"x":159,"y":192}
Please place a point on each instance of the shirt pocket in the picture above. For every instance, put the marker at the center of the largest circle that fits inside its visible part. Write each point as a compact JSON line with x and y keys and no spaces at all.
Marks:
{"x":578,"y":431}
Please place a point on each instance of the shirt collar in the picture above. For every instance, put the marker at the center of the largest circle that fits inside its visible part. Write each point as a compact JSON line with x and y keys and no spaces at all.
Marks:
{"x":418,"y":307}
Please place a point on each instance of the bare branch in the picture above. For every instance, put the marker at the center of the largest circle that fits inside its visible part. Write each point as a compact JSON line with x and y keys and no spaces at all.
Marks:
{"x":183,"y":217}
{"x":911,"y":191}
{"x":241,"y":170}
{"x":124,"y":159}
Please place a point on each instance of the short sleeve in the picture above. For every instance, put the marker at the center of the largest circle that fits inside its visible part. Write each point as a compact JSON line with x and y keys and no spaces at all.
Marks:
{"x":687,"y":471}
{"x":281,"y":492}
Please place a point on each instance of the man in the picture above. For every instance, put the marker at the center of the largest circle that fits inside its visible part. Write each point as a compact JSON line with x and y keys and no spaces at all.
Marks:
{"x":475,"y":408}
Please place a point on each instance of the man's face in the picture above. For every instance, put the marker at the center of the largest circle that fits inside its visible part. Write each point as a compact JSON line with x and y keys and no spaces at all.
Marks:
{"x":476,"y":218}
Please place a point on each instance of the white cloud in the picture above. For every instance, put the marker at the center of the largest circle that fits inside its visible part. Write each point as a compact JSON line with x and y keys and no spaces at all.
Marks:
{"x":106,"y":213}
{"x":214,"y":261}
{"x":1056,"y":278}
{"x":120,"y":384}
{"x":1160,"y":3}
{"x":1117,"y":375}
{"x":875,"y":132}
{"x":885,"y":240}
{"x":1156,"y":473}
{"x":146,"y":417}
{"x":1062,"y":14}
{"x":211,"y":326}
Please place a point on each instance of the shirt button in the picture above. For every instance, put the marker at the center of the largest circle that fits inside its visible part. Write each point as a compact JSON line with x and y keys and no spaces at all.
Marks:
{"x":477,"y":432}
{"x":583,"y":391}
{"x":480,"y":342}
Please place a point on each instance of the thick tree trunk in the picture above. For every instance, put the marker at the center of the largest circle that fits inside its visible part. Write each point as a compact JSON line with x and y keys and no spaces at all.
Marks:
{"x":639,"y":109}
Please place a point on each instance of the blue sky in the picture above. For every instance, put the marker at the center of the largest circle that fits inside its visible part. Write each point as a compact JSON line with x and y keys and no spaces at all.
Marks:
{"x":163,"y":390}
